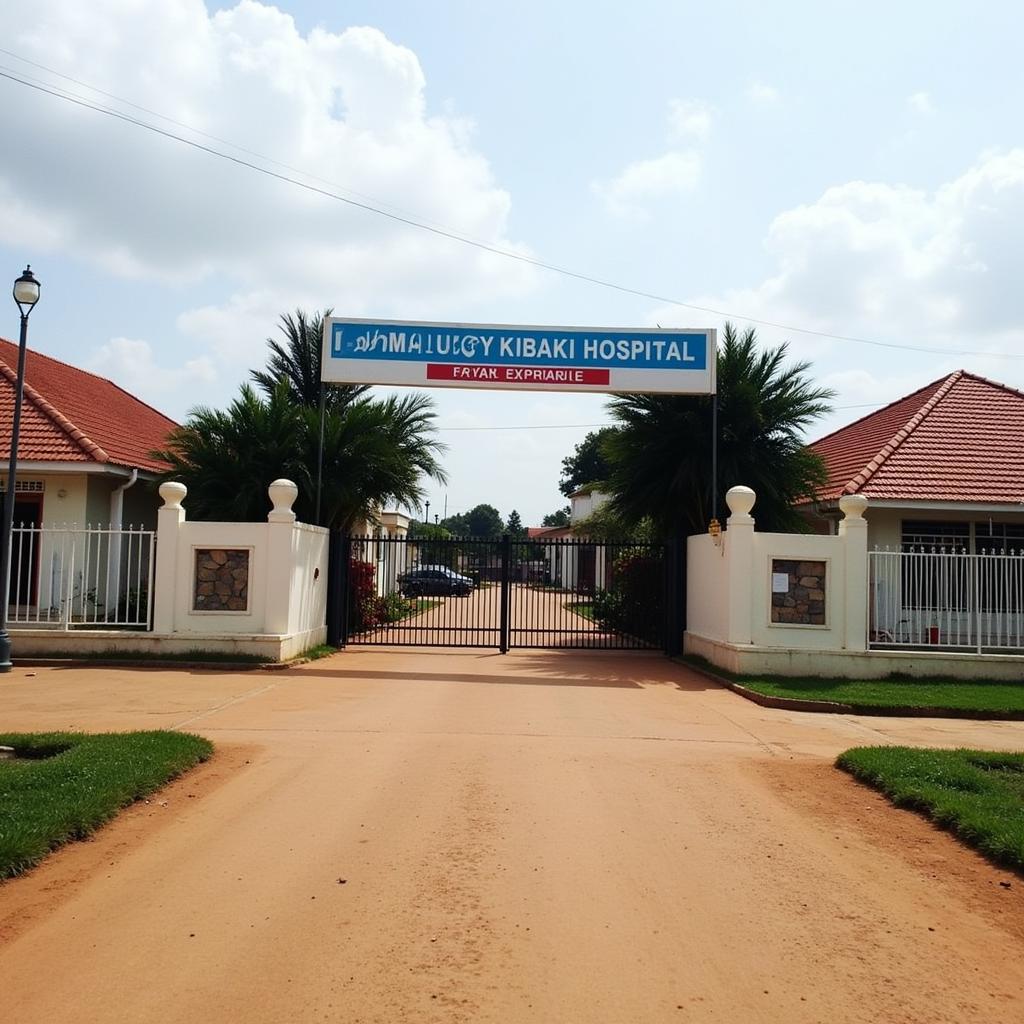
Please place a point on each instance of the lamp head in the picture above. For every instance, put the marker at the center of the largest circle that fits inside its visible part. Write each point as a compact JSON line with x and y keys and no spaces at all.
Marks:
{"x":26,"y":291}
{"x":715,"y":530}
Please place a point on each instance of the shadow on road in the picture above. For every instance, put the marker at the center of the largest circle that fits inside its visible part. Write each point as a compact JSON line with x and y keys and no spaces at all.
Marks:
{"x":558,"y":668}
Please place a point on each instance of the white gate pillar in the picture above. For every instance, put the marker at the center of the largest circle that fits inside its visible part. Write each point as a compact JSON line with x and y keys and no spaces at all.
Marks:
{"x":169,"y":518}
{"x":853,"y":531}
{"x":739,"y":559}
{"x":280,"y":555}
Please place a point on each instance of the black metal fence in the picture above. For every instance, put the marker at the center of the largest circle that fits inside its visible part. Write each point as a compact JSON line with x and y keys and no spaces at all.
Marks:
{"x":504,"y":593}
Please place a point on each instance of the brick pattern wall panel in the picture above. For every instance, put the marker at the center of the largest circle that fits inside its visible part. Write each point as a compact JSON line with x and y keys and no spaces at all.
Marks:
{"x":221,"y":580}
{"x":803,"y":604}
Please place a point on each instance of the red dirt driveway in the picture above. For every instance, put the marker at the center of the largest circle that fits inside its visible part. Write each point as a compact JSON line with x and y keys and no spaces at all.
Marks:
{"x":419,"y":836}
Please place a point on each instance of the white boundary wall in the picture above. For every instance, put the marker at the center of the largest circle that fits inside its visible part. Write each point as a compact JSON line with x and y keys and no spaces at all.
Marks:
{"x":286,"y":606}
{"x":729,"y":581}
{"x":729,"y":606}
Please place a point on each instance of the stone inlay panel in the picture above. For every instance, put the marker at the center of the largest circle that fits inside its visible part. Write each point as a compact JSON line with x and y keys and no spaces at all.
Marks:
{"x":803,"y":602}
{"x":221,"y":580}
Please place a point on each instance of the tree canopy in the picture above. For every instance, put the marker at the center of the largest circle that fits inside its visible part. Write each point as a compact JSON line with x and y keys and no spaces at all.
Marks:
{"x":480,"y":521}
{"x":514,"y":527}
{"x":589,"y":463}
{"x":661,"y":453}
{"x":298,"y":363}
{"x":558,"y":518}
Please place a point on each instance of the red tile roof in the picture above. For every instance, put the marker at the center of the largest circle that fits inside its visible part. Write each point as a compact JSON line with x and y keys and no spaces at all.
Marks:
{"x":69,"y":415}
{"x":960,"y":438}
{"x":535,"y":532}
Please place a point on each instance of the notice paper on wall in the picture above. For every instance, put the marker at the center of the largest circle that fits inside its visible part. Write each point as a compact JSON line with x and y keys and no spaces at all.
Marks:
{"x":780,"y":582}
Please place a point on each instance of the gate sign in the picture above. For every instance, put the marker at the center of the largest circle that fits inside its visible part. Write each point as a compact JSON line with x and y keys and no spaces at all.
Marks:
{"x":510,"y":357}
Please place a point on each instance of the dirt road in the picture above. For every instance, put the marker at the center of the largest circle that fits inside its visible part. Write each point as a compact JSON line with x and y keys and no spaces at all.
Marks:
{"x":545,"y":837}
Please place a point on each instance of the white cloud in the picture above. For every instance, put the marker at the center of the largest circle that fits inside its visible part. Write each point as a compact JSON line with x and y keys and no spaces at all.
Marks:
{"x":900,"y":265}
{"x":921,"y":103}
{"x":350,"y":107}
{"x":132,"y":364}
{"x":644,"y":181}
{"x":760,"y":92}
{"x":690,"y":119}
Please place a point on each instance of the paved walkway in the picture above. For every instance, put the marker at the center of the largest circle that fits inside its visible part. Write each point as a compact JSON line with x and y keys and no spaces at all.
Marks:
{"x":538,"y":617}
{"x":549,"y":836}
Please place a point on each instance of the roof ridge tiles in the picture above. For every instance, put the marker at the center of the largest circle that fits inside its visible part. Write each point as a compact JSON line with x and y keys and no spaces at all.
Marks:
{"x":88,"y":446}
{"x":928,"y":388}
{"x":854,"y":485}
{"x":993,"y":383}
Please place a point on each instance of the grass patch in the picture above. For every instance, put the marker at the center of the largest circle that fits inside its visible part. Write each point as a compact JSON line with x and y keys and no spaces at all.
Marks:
{"x":421,"y":604}
{"x":977,"y":695}
{"x":318,"y":652}
{"x":225,"y":657}
{"x":977,"y":795}
{"x":584,"y":608}
{"x":71,"y":783}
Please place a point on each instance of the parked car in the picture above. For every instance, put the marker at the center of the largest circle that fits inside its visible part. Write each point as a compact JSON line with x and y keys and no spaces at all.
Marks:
{"x":434,"y":580}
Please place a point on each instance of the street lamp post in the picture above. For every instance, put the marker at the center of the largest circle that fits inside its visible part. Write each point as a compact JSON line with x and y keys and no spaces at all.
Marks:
{"x":26,"y":295}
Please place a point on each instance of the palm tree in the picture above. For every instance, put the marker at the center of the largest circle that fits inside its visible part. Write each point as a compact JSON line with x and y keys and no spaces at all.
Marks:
{"x":298,"y":362}
{"x":662,"y":452}
{"x":375,"y":453}
{"x":227,"y":459}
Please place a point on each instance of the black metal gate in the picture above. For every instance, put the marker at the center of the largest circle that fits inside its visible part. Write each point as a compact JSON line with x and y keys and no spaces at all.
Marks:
{"x":504,"y":593}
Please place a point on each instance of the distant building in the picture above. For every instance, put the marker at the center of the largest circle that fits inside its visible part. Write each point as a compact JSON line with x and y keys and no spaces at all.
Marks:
{"x":577,"y":567}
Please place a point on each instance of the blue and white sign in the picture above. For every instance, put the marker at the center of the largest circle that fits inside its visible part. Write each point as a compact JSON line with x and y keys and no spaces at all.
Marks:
{"x":526,"y":358}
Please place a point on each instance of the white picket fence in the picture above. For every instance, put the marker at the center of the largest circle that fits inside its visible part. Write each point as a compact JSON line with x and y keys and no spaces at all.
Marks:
{"x":945,"y":598}
{"x":86,"y":577}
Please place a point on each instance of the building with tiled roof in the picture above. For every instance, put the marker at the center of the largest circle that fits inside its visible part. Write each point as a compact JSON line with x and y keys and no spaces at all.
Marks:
{"x":85,"y":446}
{"x":943,"y":466}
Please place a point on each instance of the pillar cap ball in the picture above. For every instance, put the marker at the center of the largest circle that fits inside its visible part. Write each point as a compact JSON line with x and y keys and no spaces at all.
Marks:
{"x":853,"y":506}
{"x":282,"y":495}
{"x":740,"y":500}
{"x":172,"y":491}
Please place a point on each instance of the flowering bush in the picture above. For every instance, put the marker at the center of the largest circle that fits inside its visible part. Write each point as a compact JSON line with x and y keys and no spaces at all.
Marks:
{"x":633,"y":603}
{"x":367,"y":609}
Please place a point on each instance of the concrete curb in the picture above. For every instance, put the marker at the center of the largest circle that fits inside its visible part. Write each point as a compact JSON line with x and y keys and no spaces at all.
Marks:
{"x":222,"y":666}
{"x":836,"y":708}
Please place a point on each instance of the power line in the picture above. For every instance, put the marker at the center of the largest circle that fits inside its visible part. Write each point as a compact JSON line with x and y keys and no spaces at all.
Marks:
{"x":182,"y":124}
{"x":465,"y":240}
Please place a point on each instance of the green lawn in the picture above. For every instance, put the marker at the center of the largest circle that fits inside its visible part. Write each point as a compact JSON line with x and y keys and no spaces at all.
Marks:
{"x":584,"y":608}
{"x":418,"y":605}
{"x":318,"y":652}
{"x":69,"y":784}
{"x":951,"y":694}
{"x":977,"y":795}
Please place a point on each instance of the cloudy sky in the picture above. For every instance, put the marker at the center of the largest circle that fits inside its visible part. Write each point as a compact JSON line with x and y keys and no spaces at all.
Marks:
{"x":854,"y":170}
